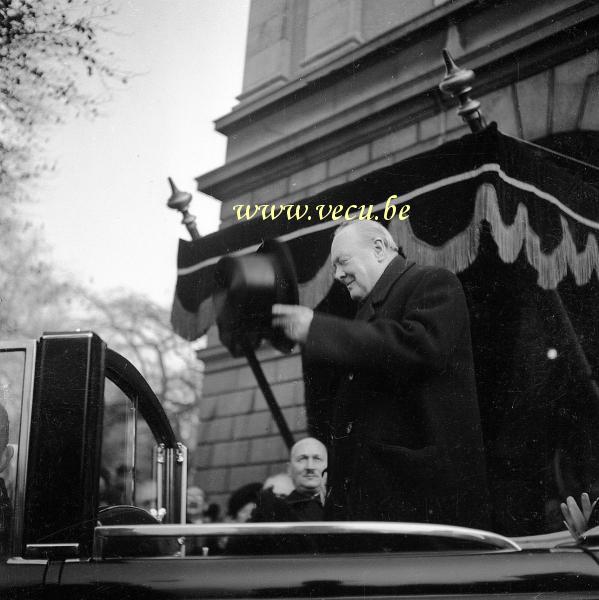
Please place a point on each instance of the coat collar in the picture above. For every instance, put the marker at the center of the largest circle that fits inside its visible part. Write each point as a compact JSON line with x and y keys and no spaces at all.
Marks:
{"x":296,"y":497}
{"x":394,"y":270}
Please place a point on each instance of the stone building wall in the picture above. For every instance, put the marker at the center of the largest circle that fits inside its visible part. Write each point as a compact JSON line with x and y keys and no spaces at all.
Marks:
{"x":240,"y":442}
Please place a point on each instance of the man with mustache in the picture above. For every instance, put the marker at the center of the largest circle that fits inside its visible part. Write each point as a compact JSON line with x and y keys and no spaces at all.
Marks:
{"x":405,"y":436}
{"x":306,"y":468}
{"x":307,"y":463}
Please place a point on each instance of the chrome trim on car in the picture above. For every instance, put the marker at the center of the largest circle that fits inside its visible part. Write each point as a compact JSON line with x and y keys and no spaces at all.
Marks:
{"x":545,"y":541}
{"x":493,"y":540}
{"x":590,"y":539}
{"x":181,"y":454}
{"x":49,"y":335}
{"x":57,"y":551}
{"x":592,"y":533}
{"x":17,"y":560}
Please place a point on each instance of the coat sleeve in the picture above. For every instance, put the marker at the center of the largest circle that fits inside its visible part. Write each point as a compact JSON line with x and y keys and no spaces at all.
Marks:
{"x":422,"y":337}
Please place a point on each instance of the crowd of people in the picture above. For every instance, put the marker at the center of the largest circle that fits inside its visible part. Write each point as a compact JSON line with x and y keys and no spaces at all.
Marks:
{"x":297,"y":494}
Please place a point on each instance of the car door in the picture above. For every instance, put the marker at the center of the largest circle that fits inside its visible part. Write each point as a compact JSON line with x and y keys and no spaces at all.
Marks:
{"x":142,"y":472}
{"x":18,"y":575}
{"x":83,"y":410}
{"x":333,"y":560}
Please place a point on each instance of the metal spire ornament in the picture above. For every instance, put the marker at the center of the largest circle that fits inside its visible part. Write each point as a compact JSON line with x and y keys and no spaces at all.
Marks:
{"x":180,"y":201}
{"x":456,"y":83}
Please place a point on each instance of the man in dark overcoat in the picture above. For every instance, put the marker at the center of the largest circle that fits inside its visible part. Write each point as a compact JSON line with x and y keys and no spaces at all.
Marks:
{"x":405,"y":437}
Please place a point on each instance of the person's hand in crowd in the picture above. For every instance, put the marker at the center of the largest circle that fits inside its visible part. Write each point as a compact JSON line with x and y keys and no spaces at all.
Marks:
{"x":577,"y":518}
{"x":294,"y":320}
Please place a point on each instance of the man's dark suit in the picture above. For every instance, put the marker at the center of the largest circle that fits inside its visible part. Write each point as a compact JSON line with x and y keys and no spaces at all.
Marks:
{"x":294,"y":507}
{"x":272,"y":509}
{"x":406,"y":439}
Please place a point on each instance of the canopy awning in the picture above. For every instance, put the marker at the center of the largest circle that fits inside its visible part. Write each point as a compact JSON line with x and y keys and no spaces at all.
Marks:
{"x":533,"y":200}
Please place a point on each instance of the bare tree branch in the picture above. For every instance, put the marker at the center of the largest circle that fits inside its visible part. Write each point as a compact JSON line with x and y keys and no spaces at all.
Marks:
{"x":45,"y":48}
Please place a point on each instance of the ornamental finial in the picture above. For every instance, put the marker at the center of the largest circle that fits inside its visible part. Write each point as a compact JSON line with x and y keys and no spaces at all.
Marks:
{"x":180,"y":201}
{"x":456,"y":83}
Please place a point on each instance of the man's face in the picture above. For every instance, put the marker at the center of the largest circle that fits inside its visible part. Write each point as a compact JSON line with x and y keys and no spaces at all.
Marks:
{"x":195,"y":501}
{"x":308,"y":461}
{"x":355,"y":263}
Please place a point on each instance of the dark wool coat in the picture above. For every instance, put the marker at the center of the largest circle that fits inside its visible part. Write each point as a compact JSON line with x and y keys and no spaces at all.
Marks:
{"x":272,"y":509}
{"x":294,"y":507}
{"x":405,"y":437}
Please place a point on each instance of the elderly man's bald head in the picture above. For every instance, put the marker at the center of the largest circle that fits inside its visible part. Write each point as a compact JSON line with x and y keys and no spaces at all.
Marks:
{"x":308,"y":443}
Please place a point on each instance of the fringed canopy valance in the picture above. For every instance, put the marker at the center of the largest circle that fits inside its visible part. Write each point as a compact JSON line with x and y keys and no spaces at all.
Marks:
{"x":533,"y":200}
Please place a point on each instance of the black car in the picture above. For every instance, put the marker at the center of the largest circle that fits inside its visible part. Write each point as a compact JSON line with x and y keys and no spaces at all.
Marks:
{"x":94,"y":507}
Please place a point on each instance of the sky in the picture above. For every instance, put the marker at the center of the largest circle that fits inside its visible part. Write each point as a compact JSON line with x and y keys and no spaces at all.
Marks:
{"x":103,"y":207}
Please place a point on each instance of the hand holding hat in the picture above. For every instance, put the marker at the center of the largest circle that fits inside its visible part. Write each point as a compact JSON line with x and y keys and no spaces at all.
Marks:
{"x":294,"y":320}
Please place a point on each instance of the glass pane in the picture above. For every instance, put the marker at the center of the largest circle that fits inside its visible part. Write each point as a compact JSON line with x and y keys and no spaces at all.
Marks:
{"x":126,"y":476}
{"x":118,"y":436}
{"x":145,"y":487}
{"x":12,"y":369}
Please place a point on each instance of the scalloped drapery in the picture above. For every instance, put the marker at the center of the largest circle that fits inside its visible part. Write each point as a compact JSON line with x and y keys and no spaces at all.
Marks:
{"x":533,"y":201}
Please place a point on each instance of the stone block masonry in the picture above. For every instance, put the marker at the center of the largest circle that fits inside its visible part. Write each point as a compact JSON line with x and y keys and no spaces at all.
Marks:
{"x":239,"y":442}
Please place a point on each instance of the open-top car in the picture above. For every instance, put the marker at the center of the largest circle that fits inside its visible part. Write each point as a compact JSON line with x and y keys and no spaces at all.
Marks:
{"x":69,"y":531}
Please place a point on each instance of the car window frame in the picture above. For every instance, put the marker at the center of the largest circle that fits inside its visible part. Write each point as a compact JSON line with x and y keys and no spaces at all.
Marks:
{"x":127,"y":378}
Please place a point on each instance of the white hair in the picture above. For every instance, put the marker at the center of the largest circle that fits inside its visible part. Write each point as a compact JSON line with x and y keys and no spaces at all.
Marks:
{"x":370,"y":231}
